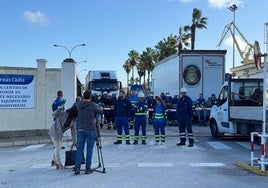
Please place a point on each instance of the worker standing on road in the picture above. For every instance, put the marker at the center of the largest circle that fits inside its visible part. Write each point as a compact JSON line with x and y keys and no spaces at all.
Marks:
{"x":201,"y":111}
{"x":122,"y":110}
{"x":140,"y":118}
{"x":151,"y":102}
{"x":110,"y":112}
{"x":133,"y":100}
{"x":159,"y":121}
{"x":184,"y":116}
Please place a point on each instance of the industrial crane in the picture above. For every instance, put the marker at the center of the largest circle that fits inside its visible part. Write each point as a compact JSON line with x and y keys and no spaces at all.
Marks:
{"x":248,"y":51}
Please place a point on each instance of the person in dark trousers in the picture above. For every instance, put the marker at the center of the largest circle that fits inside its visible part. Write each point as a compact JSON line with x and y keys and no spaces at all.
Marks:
{"x":122,"y":110}
{"x":201,"y":111}
{"x":151,"y":102}
{"x":86,"y":130}
{"x":159,"y":122}
{"x":140,"y":119}
{"x":133,"y":100}
{"x":184,"y":117}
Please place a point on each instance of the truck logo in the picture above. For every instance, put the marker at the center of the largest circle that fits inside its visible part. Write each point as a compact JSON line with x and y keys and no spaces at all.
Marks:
{"x":191,"y":75}
{"x":212,"y":64}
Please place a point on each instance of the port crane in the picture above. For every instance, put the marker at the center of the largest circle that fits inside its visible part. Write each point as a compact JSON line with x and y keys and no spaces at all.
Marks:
{"x":247,"y":53}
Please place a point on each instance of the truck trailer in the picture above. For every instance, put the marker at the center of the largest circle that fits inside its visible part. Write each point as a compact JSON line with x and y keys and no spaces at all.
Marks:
{"x":199,"y":71}
{"x":99,"y":81}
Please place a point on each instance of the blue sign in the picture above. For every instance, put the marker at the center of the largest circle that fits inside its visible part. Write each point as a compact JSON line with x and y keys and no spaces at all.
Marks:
{"x":16,"y":91}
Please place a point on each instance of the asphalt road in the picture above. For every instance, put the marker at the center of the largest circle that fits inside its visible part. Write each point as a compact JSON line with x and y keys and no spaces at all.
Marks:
{"x":210,"y":163}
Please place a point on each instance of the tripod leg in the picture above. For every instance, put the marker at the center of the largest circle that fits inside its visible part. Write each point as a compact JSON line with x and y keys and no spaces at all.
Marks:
{"x":100,"y":157}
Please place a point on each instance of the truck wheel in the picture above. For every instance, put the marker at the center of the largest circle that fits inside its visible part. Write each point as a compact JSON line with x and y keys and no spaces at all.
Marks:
{"x":214,"y":128}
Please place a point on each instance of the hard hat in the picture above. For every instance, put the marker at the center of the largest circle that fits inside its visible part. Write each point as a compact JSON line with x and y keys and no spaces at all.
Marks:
{"x":105,"y":93}
{"x":140,"y":94}
{"x":183,"y":90}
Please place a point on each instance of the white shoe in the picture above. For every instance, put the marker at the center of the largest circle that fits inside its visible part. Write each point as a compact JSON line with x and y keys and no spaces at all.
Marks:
{"x":162,"y":143}
{"x":156,"y":143}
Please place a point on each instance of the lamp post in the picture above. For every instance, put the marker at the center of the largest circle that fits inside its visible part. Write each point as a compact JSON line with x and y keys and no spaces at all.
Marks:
{"x":81,"y":62}
{"x":69,"y":51}
{"x":81,"y":71}
{"x":233,"y":8}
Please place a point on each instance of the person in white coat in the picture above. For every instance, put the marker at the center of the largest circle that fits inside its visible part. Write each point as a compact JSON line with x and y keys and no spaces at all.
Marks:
{"x":56,"y":133}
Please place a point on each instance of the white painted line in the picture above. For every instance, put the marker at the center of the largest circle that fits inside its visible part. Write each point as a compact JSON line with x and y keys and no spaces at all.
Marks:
{"x":8,"y":165}
{"x":155,"y":164}
{"x":247,"y":145}
{"x":206,"y":164}
{"x":218,"y":145}
{"x":32,"y":147}
{"x":125,"y":146}
{"x":40,"y":166}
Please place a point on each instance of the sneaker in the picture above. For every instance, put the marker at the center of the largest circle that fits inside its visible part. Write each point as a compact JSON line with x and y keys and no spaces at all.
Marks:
{"x":190,"y":145}
{"x":135,"y":142}
{"x":143,"y":142}
{"x":89,"y":171}
{"x":162,"y":143}
{"x":76,"y":171}
{"x":180,"y":144}
{"x":62,"y":147}
{"x":127,"y":142}
{"x":156,"y":142}
{"x":118,"y":142}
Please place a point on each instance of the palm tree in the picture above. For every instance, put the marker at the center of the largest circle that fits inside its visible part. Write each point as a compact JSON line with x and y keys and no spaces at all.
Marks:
{"x":147,"y":58}
{"x":141,"y":70}
{"x":183,"y":39}
{"x":167,"y":47}
{"x":134,"y":58}
{"x":198,"y":22}
{"x":127,"y":68}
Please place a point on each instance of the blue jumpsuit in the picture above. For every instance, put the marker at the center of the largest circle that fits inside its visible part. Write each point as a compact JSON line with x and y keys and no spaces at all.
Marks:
{"x":140,"y":120}
{"x":184,"y":116}
{"x":133,"y":100}
{"x":159,"y":123}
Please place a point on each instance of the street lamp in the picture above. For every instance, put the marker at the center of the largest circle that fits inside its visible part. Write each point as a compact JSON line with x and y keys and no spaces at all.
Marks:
{"x":81,"y":62}
{"x":81,"y":71}
{"x":233,"y":8}
{"x":69,"y":51}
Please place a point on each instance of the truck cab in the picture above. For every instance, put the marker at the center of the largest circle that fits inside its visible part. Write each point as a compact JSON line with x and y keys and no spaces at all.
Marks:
{"x":239,"y":109}
{"x":101,"y":81}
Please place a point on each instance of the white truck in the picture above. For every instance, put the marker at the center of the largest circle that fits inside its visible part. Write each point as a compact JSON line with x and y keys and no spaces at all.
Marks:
{"x":99,"y":81}
{"x":199,"y":71}
{"x":239,"y":109}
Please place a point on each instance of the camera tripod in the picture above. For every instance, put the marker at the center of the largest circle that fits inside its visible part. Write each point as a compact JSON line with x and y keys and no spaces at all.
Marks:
{"x":99,"y":151}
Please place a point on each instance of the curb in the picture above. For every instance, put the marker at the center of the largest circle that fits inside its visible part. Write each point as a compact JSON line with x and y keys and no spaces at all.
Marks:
{"x":25,"y":143}
{"x":252,"y":168}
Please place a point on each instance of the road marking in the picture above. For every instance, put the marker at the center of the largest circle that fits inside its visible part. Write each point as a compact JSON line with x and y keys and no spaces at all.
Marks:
{"x":40,"y":166}
{"x":206,"y":164}
{"x":32,"y":147}
{"x":218,"y":145}
{"x":247,"y":145}
{"x":155,"y":164}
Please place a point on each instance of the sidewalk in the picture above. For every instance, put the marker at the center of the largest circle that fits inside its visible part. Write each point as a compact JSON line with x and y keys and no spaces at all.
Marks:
{"x":45,"y":139}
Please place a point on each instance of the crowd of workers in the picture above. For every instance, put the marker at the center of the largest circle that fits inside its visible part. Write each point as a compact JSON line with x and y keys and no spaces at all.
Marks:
{"x":124,"y":113}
